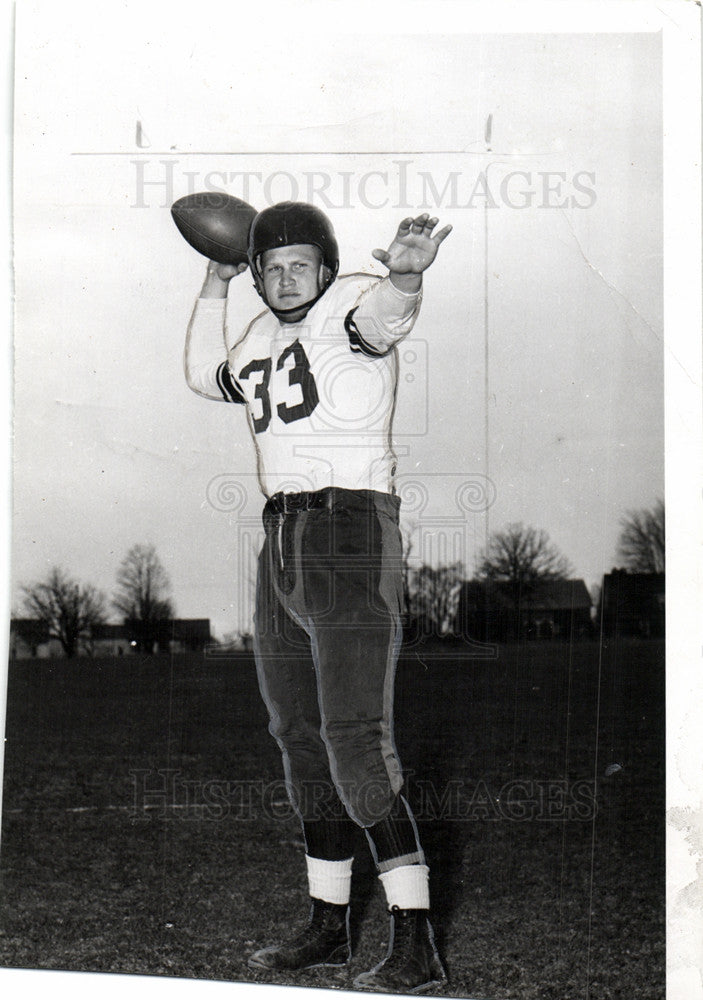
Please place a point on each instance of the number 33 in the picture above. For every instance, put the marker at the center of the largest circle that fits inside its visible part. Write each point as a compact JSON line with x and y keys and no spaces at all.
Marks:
{"x":298,"y":374}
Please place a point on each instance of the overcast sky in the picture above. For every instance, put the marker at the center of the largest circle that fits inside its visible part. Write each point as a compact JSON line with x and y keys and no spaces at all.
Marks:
{"x":111,"y":448}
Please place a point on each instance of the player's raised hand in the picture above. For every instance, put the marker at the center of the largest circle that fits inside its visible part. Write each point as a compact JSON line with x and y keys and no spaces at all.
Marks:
{"x":414,"y":246}
{"x":218,"y":278}
{"x":226,"y":271}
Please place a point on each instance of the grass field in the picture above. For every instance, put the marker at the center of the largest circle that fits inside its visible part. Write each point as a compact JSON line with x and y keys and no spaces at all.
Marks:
{"x":145,"y":828}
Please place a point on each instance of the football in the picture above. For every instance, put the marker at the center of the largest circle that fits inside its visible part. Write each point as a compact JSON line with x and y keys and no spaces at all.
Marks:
{"x":215,"y":224}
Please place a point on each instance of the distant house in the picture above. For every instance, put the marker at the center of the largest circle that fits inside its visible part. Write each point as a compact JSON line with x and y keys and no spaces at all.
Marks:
{"x":110,"y":640}
{"x":633,"y":604}
{"x":190,"y":635}
{"x":558,"y":608}
{"x":548,"y":610}
{"x":29,"y":638}
{"x":173,"y":635}
{"x":184,"y":635}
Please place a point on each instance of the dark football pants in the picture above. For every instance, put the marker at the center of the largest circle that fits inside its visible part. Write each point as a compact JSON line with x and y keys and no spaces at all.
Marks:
{"x":327,"y":637}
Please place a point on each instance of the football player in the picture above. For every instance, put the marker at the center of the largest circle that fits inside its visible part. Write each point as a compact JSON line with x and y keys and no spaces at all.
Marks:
{"x":317,"y":372}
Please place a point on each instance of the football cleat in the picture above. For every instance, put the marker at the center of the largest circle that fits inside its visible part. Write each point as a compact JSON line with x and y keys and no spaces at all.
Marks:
{"x":324,"y":941}
{"x":412,"y":964}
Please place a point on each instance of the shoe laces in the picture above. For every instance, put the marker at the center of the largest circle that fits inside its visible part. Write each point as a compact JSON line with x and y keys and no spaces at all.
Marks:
{"x":405,"y":934}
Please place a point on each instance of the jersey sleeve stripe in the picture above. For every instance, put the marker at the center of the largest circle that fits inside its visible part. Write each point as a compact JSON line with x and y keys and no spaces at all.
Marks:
{"x":356,"y":341}
{"x":226,"y":385}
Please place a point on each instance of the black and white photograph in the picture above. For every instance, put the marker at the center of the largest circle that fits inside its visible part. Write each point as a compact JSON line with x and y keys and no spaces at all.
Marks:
{"x":352,"y":603}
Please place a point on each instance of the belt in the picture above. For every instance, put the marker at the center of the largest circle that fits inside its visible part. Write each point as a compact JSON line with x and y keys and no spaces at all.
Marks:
{"x":294,"y":503}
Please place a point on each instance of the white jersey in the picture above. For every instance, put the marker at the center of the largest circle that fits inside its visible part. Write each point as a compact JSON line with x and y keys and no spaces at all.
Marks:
{"x":319,"y":393}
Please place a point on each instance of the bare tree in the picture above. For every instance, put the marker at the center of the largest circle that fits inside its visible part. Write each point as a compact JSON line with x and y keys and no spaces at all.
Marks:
{"x":522,"y":556}
{"x":142,"y":594}
{"x":67,"y":608}
{"x":641,"y":544}
{"x":434,"y":596}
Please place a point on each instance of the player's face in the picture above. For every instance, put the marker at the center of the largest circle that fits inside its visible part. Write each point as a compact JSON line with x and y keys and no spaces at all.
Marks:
{"x":292,"y":275}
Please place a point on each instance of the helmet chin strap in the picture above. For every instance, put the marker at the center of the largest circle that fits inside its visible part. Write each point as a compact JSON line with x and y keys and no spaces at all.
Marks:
{"x":290,"y":315}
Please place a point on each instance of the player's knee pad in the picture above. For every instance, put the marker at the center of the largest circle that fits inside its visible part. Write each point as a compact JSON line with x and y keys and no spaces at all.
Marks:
{"x":297,"y":737}
{"x":364,"y":767}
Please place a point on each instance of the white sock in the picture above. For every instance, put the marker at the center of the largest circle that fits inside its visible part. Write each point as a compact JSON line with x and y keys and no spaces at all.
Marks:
{"x":329,"y":880}
{"x":407,"y":887}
